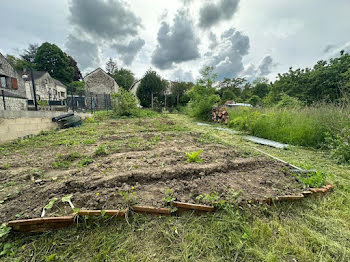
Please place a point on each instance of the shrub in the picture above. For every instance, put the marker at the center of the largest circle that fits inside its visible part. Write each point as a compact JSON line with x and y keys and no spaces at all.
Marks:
{"x":339,"y":145}
{"x":202,"y":101}
{"x":124,"y":103}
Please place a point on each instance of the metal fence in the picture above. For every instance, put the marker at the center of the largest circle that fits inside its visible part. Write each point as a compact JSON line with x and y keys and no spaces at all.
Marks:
{"x":93,"y":102}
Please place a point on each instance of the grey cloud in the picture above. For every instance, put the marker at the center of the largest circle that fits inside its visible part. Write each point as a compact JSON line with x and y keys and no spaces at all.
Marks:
{"x":228,"y":55}
{"x":266,"y":65}
{"x":211,"y":14}
{"x":106,"y":19}
{"x":106,"y":23}
{"x":177,"y":43}
{"x":328,"y":48}
{"x":127,"y":52}
{"x":86,"y":53}
{"x":213,"y":41}
{"x":181,"y":75}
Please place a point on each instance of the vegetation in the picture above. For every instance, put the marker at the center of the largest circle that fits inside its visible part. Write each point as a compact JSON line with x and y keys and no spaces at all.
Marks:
{"x":203,"y":95}
{"x":124,"y":77}
{"x":321,"y":126}
{"x":50,"y":58}
{"x":151,"y":89}
{"x":194,"y":157}
{"x":315,"y":229}
{"x":124,"y":103}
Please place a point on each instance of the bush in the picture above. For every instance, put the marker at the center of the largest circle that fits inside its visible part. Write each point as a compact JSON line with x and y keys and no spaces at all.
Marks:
{"x":202,"y":101}
{"x":339,"y":145}
{"x":125,"y":103}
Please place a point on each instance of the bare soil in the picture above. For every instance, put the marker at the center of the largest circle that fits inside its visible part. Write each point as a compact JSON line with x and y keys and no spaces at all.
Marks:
{"x":146,"y":161}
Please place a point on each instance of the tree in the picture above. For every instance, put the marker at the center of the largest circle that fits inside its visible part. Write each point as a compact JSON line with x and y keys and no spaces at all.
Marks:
{"x":124,"y":77}
{"x":111,"y":66}
{"x":178,"y":89}
{"x":77,"y":87}
{"x":29,"y":53}
{"x":151,"y":87}
{"x":18,"y":64}
{"x":52,"y":59}
{"x":202,"y":95}
{"x":77,"y":74}
{"x":260,"y":87}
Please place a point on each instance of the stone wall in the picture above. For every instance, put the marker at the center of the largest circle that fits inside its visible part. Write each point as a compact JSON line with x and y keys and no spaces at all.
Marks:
{"x":13,"y":103}
{"x":98,"y":82}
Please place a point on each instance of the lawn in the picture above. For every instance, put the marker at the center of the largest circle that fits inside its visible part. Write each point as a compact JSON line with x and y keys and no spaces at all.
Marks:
{"x":89,"y":157}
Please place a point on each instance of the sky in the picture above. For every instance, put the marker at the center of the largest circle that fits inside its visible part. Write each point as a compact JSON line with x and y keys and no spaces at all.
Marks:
{"x":177,"y":38}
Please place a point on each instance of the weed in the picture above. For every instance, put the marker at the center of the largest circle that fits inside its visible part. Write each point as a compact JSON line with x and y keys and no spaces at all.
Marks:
{"x":130,"y":198}
{"x":4,"y":230}
{"x":5,"y":167}
{"x":63,"y":161}
{"x":86,"y":161}
{"x":90,"y":120}
{"x":169,"y":198}
{"x":101,"y":150}
{"x":89,"y":141}
{"x":194,"y":157}
{"x":313,"y":179}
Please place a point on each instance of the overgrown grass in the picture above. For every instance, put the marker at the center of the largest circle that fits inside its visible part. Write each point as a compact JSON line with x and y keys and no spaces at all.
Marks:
{"x":309,"y":126}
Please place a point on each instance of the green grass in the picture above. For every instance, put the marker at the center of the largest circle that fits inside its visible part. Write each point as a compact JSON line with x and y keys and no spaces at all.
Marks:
{"x":315,"y":229}
{"x":309,"y":126}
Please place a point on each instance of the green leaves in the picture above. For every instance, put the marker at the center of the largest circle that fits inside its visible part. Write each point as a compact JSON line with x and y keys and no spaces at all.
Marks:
{"x":194,"y":157}
{"x":51,"y":203}
{"x":67,"y":198}
{"x":4,"y":230}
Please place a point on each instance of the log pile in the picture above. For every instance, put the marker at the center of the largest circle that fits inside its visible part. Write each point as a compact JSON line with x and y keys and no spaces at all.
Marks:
{"x":220,"y":115}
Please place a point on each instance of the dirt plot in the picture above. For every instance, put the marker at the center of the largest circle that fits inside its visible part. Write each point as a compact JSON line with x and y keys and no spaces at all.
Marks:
{"x":139,"y":161}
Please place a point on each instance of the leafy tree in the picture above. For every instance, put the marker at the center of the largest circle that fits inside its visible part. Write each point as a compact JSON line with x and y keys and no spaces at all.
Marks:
{"x":203,"y":96}
{"x":124,"y":77}
{"x":77,"y":74}
{"x":77,"y":87}
{"x":178,"y":90}
{"x":29,"y":53}
{"x":227,"y":95}
{"x":125,"y":103}
{"x":52,"y":59}
{"x":151,"y":87}
{"x":111,"y":66}
{"x":254,"y":100}
{"x":260,"y":87}
{"x":18,"y":64}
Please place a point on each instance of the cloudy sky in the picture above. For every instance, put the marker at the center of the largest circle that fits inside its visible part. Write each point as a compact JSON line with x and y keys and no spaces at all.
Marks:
{"x":250,"y":38}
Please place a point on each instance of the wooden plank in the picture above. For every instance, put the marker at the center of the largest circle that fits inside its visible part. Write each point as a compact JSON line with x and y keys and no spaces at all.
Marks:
{"x":41,"y":224}
{"x":118,"y":213}
{"x":151,"y":210}
{"x":193,"y":206}
{"x":290,"y":197}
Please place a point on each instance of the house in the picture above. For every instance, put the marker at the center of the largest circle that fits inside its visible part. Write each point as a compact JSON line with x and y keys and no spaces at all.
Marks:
{"x":98,"y":89}
{"x":135,"y":86}
{"x":47,"y":88}
{"x":98,"y":82}
{"x":12,"y":90}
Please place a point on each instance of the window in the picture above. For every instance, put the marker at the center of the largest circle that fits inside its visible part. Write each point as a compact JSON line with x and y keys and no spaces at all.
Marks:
{"x":2,"y":82}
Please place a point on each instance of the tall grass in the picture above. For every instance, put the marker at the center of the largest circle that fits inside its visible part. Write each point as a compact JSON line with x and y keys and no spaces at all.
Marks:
{"x":308,"y":126}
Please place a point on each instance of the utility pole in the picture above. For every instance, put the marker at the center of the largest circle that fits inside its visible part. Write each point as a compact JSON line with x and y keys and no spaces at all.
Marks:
{"x":34,"y":90}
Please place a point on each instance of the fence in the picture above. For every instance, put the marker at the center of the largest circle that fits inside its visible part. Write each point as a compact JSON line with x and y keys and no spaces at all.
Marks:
{"x":92,"y":102}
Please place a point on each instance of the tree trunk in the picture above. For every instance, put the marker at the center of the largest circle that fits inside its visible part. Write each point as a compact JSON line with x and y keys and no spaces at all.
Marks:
{"x":177,"y":98}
